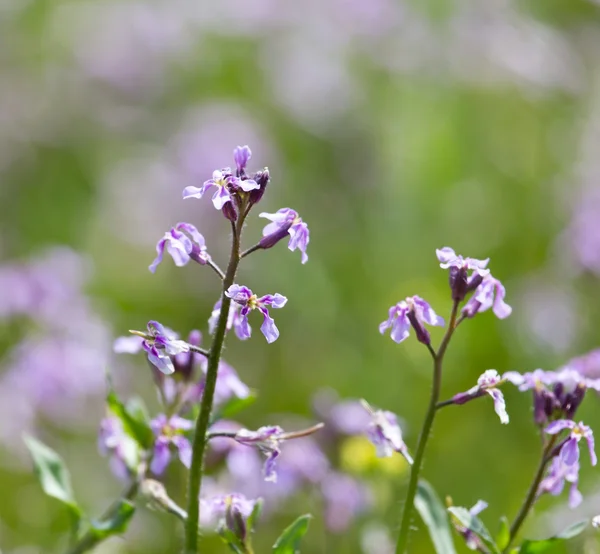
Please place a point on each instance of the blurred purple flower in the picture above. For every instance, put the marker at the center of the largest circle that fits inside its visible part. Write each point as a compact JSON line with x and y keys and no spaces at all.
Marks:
{"x":168,"y":431}
{"x":489,"y":294}
{"x":472,"y":541}
{"x":556,"y":476}
{"x":228,"y":384}
{"x":587,"y":365}
{"x":460,"y":281}
{"x":218,"y":506}
{"x":184,"y":243}
{"x":345,"y":498}
{"x":486,"y":384}
{"x":114,"y":442}
{"x":249,"y":301}
{"x":415,"y":312}
{"x":241,"y":155}
{"x":160,"y":344}
{"x":286,"y":222}
{"x":347,"y":417}
{"x":384,"y":432}
{"x":569,"y":451}
{"x":266,"y":439}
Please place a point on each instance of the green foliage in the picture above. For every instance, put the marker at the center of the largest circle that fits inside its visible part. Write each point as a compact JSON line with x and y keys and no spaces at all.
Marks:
{"x":52,"y":474}
{"x":546,"y":545}
{"x":116,"y":523}
{"x":434,"y":515}
{"x":134,"y":419}
{"x":474,"y":524}
{"x":289,"y":541}
{"x":503,"y":535}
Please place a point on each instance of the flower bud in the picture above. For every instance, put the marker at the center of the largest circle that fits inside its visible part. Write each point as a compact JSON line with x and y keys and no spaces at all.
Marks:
{"x":235,"y":521}
{"x":573,"y":400}
{"x":229,"y":211}
{"x":420,"y":331}
{"x":262,"y":178}
{"x":271,"y":240}
{"x":457,"y":278}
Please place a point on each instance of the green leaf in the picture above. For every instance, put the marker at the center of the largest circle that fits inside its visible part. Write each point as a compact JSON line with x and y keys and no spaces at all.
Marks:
{"x":134,"y":422}
{"x":253,"y":517}
{"x":503,"y":535}
{"x":137,"y":408}
{"x":289,"y":541}
{"x":546,"y":545}
{"x":234,"y":406}
{"x":234,"y":544}
{"x":474,"y":524}
{"x":434,"y":515}
{"x":116,"y":524}
{"x":52,"y":474}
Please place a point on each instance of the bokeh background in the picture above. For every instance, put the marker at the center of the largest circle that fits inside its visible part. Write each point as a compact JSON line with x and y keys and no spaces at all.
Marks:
{"x":394,"y":128}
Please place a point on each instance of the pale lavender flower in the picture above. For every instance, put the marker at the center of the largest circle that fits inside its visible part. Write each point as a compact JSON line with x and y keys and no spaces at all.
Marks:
{"x":487,"y":384}
{"x":472,"y":541}
{"x":556,"y":476}
{"x":130,"y":344}
{"x":569,"y":452}
{"x":184,"y":243}
{"x":347,"y":417}
{"x":217,"y":507}
{"x":115,"y":443}
{"x":228,"y":385}
{"x":249,"y":302}
{"x":385,"y":433}
{"x":489,"y":294}
{"x":286,"y":222}
{"x":169,"y":431}
{"x":459,"y":279}
{"x":160,"y":344}
{"x":241,"y":155}
{"x":345,"y":498}
{"x":415,"y":312}
{"x":587,"y":365}
{"x":234,"y":319}
{"x":266,"y":439}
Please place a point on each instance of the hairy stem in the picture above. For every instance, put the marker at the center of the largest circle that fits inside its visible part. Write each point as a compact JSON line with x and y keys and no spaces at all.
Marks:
{"x":532,"y":493}
{"x":202,"y":423}
{"x":438,"y":359}
{"x":89,"y":540}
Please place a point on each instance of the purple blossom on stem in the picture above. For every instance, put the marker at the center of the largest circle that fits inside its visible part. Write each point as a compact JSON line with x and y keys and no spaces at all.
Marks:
{"x":472,"y":541}
{"x":266,"y":439}
{"x":169,"y":431}
{"x":241,"y":155}
{"x":487,"y":384}
{"x":160,"y":344}
{"x":385,"y":433}
{"x":249,"y":302}
{"x":413,"y":311}
{"x":460,"y":281}
{"x":345,"y":498}
{"x":569,"y":452}
{"x":218,"y":506}
{"x":234,"y":319}
{"x":228,"y":384}
{"x":489,"y":294}
{"x":286,"y":222}
{"x":184,"y":243}
{"x":554,"y":481}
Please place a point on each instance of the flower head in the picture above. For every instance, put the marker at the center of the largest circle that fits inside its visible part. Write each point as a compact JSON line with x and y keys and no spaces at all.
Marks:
{"x":487,"y":384}
{"x":489,"y":294}
{"x":556,"y":476}
{"x":266,"y":439}
{"x":160,"y":344}
{"x":241,"y":155}
{"x":184,"y":243}
{"x":286,"y":222}
{"x":569,"y":452}
{"x":234,"y":319}
{"x":249,"y":301}
{"x":460,"y":281}
{"x":228,"y":385}
{"x":169,"y":432}
{"x":385,"y":433}
{"x":413,"y":311}
{"x":224,"y":506}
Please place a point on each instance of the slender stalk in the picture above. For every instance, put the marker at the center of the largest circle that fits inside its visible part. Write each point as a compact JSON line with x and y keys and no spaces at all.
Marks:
{"x":250,"y":250}
{"x":199,"y":350}
{"x":202,"y":423}
{"x":90,"y":540}
{"x":532,"y":493}
{"x":216,"y":269}
{"x":425,"y":432}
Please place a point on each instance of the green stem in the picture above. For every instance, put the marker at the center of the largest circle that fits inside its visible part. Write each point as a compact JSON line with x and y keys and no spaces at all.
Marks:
{"x":203,"y":421}
{"x":532,"y":493}
{"x":90,"y":539}
{"x":438,"y":359}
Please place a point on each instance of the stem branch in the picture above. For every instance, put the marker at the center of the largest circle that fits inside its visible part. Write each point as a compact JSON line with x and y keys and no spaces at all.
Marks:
{"x":438,"y":359}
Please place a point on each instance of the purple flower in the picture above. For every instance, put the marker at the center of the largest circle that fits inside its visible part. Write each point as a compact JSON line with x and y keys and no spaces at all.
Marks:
{"x":345,"y":498}
{"x":234,"y":319}
{"x":114,"y":442}
{"x":489,"y":294}
{"x":249,"y":301}
{"x":487,"y":384}
{"x":266,"y":439}
{"x":228,"y":384}
{"x":219,"y":506}
{"x":472,"y":541}
{"x":241,"y":155}
{"x":460,"y":281}
{"x":184,"y":243}
{"x":554,"y":481}
{"x":413,"y":311}
{"x":569,"y":452}
{"x":286,"y":222}
{"x":385,"y":433}
{"x":160,"y":345}
{"x":168,"y":431}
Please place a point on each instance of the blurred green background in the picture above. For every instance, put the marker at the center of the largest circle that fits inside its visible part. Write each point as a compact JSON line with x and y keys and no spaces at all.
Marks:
{"x":393,"y":128}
